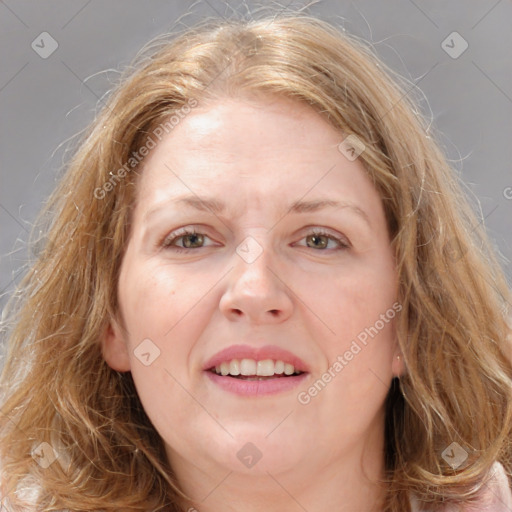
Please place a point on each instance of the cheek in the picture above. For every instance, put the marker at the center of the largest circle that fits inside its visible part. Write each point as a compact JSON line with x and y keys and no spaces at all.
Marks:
{"x":352,"y":301}
{"x":163,"y":393}
{"x":154,"y":298}
{"x":362,"y":310}
{"x":165,"y":310}
{"x":352,"y":390}
{"x":160,"y":337}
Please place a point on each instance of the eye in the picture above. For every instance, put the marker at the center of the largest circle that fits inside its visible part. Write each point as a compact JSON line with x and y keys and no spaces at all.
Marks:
{"x":320,"y":240}
{"x":190,"y":239}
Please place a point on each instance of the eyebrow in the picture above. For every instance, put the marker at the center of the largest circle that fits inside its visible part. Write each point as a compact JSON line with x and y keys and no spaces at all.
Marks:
{"x":212,"y":205}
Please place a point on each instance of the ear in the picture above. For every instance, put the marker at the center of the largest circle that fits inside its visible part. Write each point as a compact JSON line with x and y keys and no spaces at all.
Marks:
{"x":398,"y":365}
{"x":114,"y":347}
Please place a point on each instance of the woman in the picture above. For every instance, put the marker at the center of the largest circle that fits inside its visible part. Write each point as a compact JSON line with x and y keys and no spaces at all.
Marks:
{"x":261,"y":289}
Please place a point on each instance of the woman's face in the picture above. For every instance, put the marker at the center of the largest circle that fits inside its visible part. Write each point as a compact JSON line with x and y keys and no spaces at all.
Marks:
{"x":264,"y":281}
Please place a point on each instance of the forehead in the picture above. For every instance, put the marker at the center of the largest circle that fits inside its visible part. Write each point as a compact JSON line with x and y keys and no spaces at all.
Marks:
{"x":253,"y":152}
{"x":280,"y":123}
{"x":249,"y":129}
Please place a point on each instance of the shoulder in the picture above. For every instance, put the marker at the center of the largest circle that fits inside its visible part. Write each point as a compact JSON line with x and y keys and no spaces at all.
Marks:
{"x":27,"y":491}
{"x":496,"y":495}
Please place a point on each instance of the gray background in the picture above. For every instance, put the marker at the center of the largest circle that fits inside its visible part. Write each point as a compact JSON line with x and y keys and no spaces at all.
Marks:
{"x":45,"y":101}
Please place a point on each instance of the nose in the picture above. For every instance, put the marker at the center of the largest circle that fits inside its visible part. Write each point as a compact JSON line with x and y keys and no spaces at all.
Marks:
{"x":256,"y":290}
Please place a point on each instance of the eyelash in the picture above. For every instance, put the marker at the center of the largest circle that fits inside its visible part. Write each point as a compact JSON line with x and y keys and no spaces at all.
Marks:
{"x":167,"y":242}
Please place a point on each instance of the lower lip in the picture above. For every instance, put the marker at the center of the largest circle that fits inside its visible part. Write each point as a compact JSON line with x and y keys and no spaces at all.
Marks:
{"x":256,"y":387}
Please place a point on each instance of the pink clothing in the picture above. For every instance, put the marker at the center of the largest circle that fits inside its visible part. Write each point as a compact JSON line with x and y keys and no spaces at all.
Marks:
{"x":496,"y":497}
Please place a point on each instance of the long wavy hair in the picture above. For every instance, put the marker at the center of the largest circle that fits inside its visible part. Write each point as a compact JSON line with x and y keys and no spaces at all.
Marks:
{"x":57,"y":388}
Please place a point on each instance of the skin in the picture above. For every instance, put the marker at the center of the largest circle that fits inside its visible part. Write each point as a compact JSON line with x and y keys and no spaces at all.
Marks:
{"x":259,"y":156}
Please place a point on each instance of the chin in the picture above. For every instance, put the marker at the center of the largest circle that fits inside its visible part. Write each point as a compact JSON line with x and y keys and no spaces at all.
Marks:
{"x":259,"y":454}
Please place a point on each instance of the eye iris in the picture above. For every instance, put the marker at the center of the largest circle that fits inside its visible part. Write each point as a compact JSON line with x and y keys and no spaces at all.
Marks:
{"x":319,"y":240}
{"x":189,"y":236}
{"x":317,"y":237}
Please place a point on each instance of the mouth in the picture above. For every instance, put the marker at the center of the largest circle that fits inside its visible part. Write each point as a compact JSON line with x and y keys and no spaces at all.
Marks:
{"x":255,"y":370}
{"x":250,"y":371}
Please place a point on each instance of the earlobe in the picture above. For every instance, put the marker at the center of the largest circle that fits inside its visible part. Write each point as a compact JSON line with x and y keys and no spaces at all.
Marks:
{"x":398,"y":366}
{"x":114,"y":348}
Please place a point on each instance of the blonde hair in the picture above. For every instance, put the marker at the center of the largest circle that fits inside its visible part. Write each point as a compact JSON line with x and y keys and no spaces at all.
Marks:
{"x":452,"y":330}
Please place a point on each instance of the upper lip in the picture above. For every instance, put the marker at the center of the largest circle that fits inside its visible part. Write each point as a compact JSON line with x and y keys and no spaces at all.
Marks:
{"x":257,"y":353}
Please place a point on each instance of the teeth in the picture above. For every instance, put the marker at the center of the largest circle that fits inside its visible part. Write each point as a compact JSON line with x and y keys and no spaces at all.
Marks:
{"x":265,"y":368}
{"x":234,"y":367}
{"x":250,"y":367}
{"x":224,"y":368}
{"x":288,"y":369}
